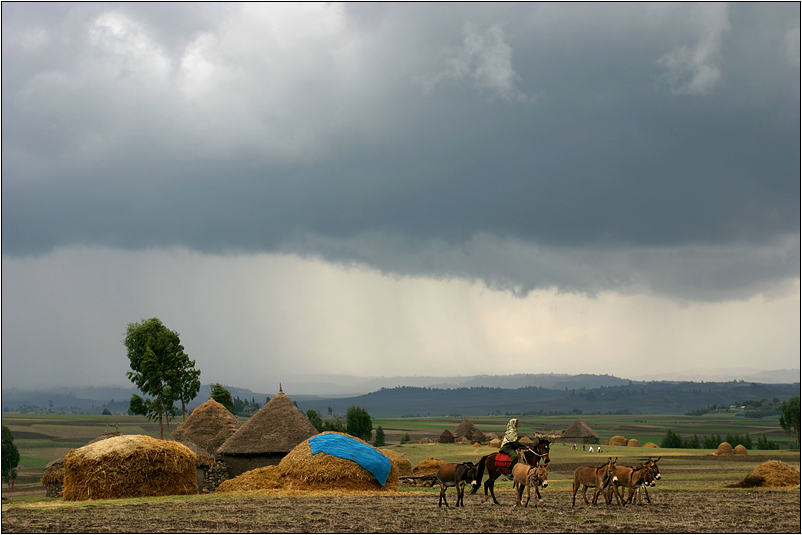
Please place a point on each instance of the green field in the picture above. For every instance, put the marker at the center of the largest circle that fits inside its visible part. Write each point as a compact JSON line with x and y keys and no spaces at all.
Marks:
{"x":42,"y":438}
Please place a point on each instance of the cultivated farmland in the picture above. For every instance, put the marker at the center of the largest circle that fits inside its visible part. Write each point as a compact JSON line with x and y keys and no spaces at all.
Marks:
{"x":691,"y":497}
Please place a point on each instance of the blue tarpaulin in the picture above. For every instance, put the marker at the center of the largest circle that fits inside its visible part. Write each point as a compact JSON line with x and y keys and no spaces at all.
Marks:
{"x":345,"y":447}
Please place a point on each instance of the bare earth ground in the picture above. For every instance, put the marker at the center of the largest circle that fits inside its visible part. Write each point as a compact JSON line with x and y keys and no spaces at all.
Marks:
{"x":671,"y":511}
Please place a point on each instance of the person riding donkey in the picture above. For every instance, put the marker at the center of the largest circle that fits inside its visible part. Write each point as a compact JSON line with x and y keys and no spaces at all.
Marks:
{"x":510,"y":444}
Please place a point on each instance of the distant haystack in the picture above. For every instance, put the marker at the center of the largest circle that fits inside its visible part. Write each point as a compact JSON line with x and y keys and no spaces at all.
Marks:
{"x":775,"y":474}
{"x":650,"y":445}
{"x":129,"y":466}
{"x":725,"y":448}
{"x":466,"y":429}
{"x":740,"y":449}
{"x":427,"y":466}
{"x":425,"y":440}
{"x":266,"y":437}
{"x":618,"y":440}
{"x":633,"y":443}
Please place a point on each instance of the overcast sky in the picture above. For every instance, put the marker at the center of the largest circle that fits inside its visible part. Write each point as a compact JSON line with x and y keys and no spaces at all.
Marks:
{"x":400,"y":189}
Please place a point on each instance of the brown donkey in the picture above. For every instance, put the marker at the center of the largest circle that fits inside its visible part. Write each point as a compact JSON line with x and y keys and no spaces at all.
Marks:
{"x":627,"y":477}
{"x":526,"y":476}
{"x":591,"y":476}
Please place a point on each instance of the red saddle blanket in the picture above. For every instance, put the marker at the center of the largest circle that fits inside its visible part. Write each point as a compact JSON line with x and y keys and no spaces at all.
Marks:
{"x":503,"y":460}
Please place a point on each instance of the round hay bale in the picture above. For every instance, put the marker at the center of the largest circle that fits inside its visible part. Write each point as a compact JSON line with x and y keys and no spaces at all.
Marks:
{"x":322,"y":471}
{"x":403,"y":464}
{"x":650,"y":445}
{"x":633,"y":442}
{"x":425,"y":440}
{"x":267,"y":477}
{"x":618,"y":440}
{"x":740,"y":449}
{"x":129,"y":466}
{"x":777,"y":474}
{"x":725,"y":448}
{"x":446,"y":437}
{"x":427,"y":466}
{"x":495,"y":443}
{"x":605,"y":442}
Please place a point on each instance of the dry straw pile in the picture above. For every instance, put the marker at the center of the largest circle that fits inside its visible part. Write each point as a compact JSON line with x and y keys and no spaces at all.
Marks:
{"x":129,"y":466}
{"x":304,"y":471}
{"x":618,"y":440}
{"x":633,"y":442}
{"x":739,"y":450}
{"x":267,"y":477}
{"x":401,"y":463}
{"x":725,"y":448}
{"x":427,"y":466}
{"x":774,"y":474}
{"x":495,"y":443}
{"x":650,"y":445}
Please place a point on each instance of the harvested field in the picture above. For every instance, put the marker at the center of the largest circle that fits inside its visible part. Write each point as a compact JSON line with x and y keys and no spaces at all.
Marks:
{"x":672,"y":511}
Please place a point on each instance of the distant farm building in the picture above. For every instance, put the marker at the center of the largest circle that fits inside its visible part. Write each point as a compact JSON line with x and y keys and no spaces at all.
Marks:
{"x":579,"y":433}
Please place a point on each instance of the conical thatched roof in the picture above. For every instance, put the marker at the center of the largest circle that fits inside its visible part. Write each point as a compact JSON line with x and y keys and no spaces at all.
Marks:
{"x":465,"y":429}
{"x":207,"y":428}
{"x":579,"y":430}
{"x":446,"y":437}
{"x":277,"y":427}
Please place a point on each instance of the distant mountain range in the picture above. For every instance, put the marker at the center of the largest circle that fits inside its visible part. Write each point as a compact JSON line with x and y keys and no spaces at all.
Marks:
{"x":470,"y":395}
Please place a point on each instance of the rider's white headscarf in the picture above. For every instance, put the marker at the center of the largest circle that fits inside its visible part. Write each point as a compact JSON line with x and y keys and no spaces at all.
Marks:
{"x":511,"y":434}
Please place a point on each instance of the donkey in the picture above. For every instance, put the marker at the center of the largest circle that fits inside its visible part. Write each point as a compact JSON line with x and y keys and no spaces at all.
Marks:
{"x":528,"y":476}
{"x":456,"y":475}
{"x":656,"y":470}
{"x":632,"y":479}
{"x":591,"y":476}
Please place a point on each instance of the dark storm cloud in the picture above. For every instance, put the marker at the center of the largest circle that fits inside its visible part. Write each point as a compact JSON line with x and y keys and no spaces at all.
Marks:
{"x":523,"y":145}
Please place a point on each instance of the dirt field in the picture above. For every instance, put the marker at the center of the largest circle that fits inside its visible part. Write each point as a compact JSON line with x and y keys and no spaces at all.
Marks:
{"x":671,"y":511}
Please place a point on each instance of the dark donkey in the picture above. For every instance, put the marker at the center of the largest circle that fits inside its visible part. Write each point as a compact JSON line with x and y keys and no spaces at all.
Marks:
{"x":531,"y":456}
{"x":456,"y":475}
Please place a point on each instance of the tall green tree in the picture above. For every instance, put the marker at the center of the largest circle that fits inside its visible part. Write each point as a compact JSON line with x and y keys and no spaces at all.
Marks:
{"x":379,"y":442}
{"x":10,"y":456}
{"x":221,"y":395}
{"x":358,"y":423}
{"x":315,"y":419}
{"x":160,"y":369}
{"x":790,"y":418}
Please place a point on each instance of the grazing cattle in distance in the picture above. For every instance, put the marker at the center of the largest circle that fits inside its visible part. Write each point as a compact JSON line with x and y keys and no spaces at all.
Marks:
{"x":526,"y":476}
{"x":590,"y":476}
{"x":456,"y":475}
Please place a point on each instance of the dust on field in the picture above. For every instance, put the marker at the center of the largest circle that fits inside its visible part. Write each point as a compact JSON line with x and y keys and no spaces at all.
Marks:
{"x":671,"y":511}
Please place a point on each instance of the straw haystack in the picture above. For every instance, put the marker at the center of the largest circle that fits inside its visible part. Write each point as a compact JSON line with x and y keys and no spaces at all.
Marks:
{"x":633,"y":443}
{"x":579,"y":433}
{"x":495,"y":443}
{"x":740,"y":449}
{"x":618,"y":440}
{"x":526,"y":441}
{"x":53,"y":478}
{"x":403,"y":464}
{"x":446,"y":437}
{"x":425,"y":440}
{"x":650,"y":445}
{"x":427,"y":466}
{"x":265,"y":478}
{"x":725,"y":448}
{"x":492,"y":436}
{"x":129,"y":466}
{"x":775,"y":474}
{"x":466,"y":429}
{"x":302,"y":470}
{"x":266,"y":437}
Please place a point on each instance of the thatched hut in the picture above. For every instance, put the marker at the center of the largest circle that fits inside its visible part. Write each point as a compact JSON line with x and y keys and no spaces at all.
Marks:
{"x":478,"y":436}
{"x":266,"y":437}
{"x":205,"y":430}
{"x":467,"y":429}
{"x":579,"y":433}
{"x":129,"y":466}
{"x":446,"y":437}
